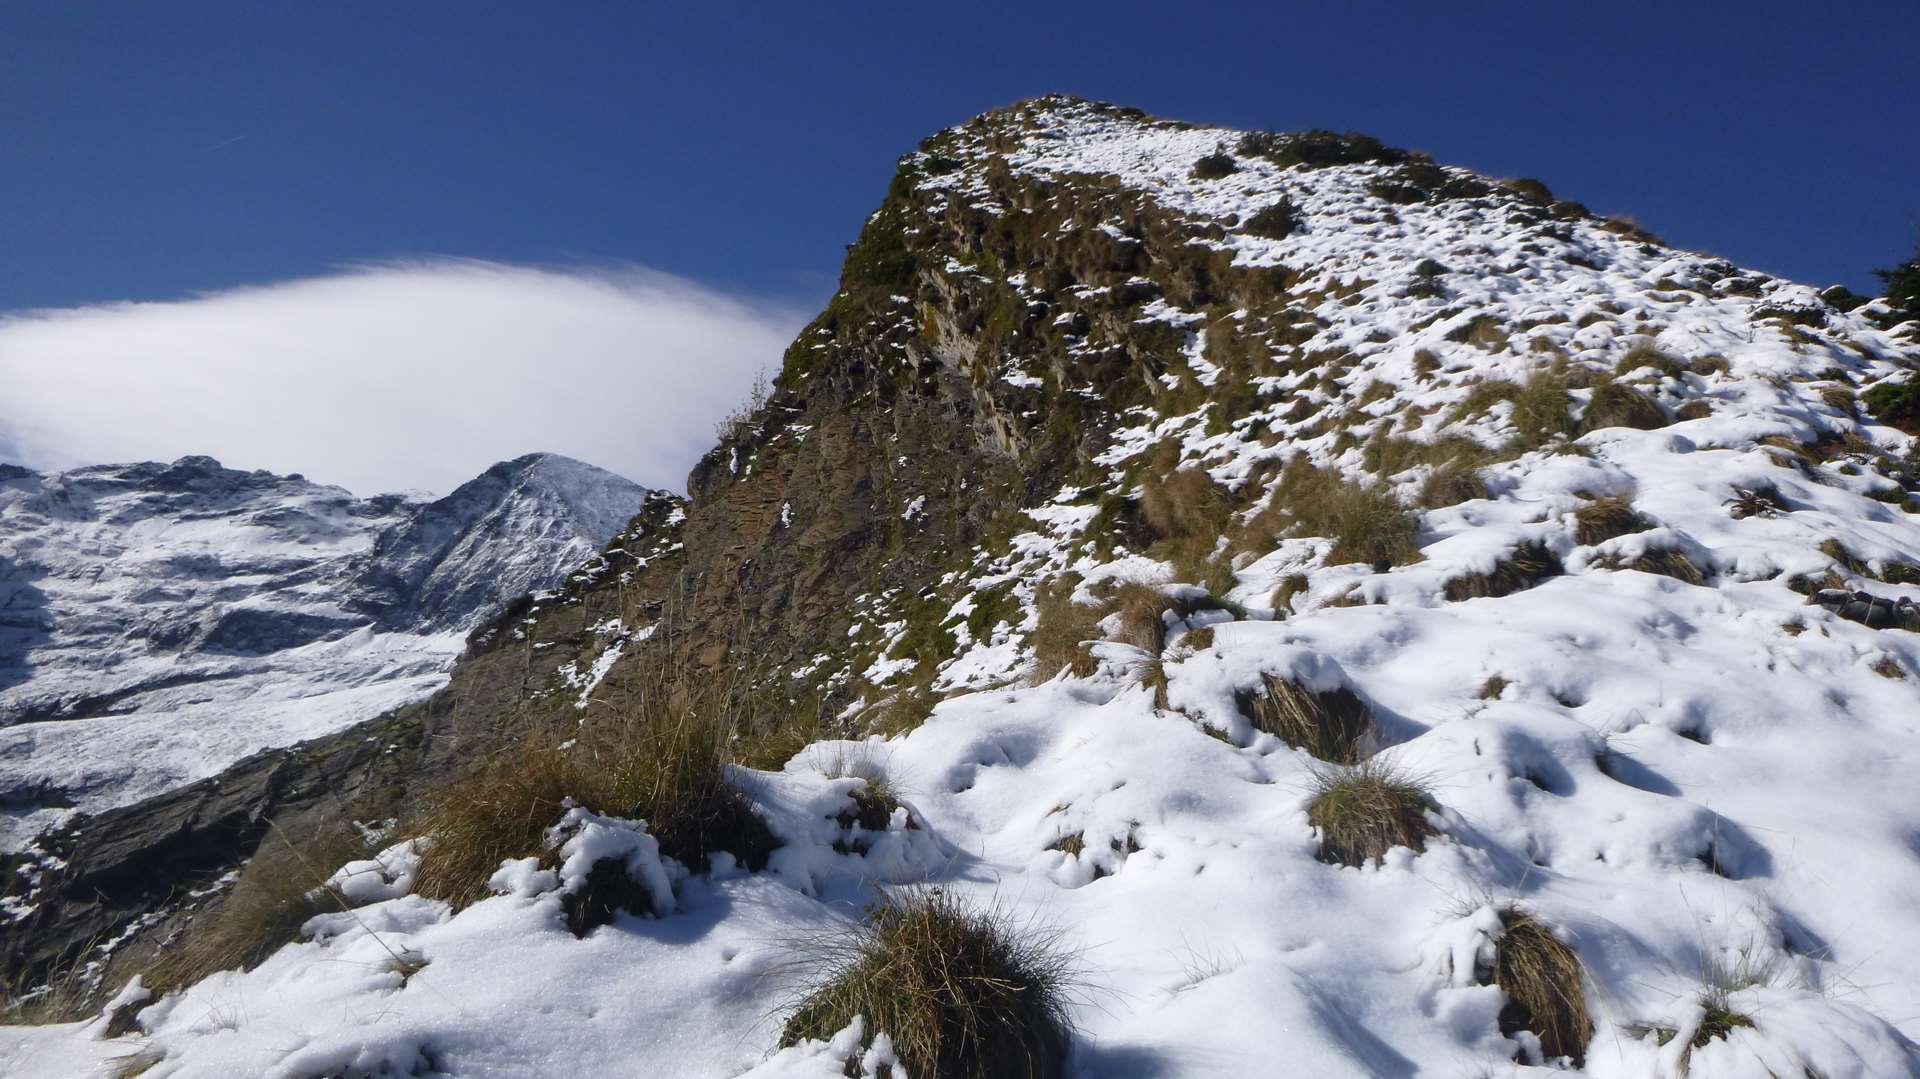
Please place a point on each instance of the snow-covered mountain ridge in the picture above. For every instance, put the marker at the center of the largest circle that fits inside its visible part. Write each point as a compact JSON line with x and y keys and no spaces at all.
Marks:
{"x":160,"y":621}
{"x":1119,"y":434}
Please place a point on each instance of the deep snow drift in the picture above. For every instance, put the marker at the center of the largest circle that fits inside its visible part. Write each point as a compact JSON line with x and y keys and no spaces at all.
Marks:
{"x":1680,"y":777}
{"x":160,"y":621}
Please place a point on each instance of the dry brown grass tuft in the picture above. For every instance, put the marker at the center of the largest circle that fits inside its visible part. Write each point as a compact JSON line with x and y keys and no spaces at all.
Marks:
{"x":1290,"y":586}
{"x":1365,"y":811}
{"x":1668,"y":562}
{"x":272,"y":897}
{"x":963,"y":992}
{"x":1333,"y":726}
{"x":1607,"y":518}
{"x":1526,"y":566}
{"x":662,"y":763}
{"x":1544,"y":984}
{"x":1183,"y":503}
{"x":65,"y":994}
{"x":1365,"y":522}
{"x":1064,"y":627}
{"x":1614,"y":404}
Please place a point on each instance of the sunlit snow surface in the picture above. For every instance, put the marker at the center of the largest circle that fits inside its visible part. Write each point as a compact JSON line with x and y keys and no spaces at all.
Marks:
{"x":1651,"y":732}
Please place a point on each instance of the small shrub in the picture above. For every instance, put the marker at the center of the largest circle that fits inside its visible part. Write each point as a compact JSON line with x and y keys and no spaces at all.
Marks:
{"x":1544,"y":985}
{"x":1333,"y":726}
{"x":1903,"y":287}
{"x":1318,"y":148}
{"x":962,"y":992}
{"x":1366,"y":811}
{"x":1397,"y":194}
{"x":1528,"y":565}
{"x":1215,"y":165}
{"x":1529,"y":190}
{"x":1896,"y":404}
{"x":1275,"y":222}
{"x":275,"y":894}
{"x":1606,"y":518}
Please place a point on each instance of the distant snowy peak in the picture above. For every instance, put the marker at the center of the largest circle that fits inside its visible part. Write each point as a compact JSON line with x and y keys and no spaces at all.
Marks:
{"x":203,"y":613}
{"x":518,"y":526}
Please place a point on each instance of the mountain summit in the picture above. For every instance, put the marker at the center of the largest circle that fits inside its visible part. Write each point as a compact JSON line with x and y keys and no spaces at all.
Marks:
{"x":1194,"y":603}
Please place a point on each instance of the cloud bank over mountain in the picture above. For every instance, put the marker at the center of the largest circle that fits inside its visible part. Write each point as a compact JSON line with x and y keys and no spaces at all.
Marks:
{"x":400,"y":376}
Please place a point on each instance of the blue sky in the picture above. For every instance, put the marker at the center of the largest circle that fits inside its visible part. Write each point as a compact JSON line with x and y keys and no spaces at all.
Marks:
{"x":158,"y":150}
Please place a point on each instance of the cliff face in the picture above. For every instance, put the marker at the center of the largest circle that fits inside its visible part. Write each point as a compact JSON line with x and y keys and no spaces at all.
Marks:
{"x":1184,"y":415}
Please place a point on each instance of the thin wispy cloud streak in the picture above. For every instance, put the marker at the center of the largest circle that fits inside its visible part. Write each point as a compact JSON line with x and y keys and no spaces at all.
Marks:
{"x":401,"y":376}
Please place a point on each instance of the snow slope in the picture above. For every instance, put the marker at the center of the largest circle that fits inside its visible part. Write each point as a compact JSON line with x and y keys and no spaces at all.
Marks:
{"x":161,"y":621}
{"x":1679,"y":776}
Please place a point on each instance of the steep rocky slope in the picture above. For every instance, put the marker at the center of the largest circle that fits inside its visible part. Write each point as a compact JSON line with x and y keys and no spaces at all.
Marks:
{"x":1124,"y":444}
{"x":158,"y":622}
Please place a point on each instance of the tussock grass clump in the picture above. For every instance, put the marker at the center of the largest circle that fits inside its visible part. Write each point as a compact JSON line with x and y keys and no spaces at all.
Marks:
{"x":1640,"y":356}
{"x":1614,"y":404}
{"x":1365,"y":521}
{"x":1454,"y":462}
{"x":1187,"y":513}
{"x":663,"y":764}
{"x":1542,"y":411}
{"x":1528,"y":565}
{"x":1064,"y":627}
{"x":1607,"y":518}
{"x":1541,"y":407}
{"x":66,"y":992}
{"x":1365,"y":811}
{"x":1544,"y":984}
{"x":963,"y":992}
{"x":1455,"y":481}
{"x":1183,"y":503}
{"x":272,"y":897}
{"x":1333,"y":725}
{"x":1720,"y":980}
{"x":1667,"y":562}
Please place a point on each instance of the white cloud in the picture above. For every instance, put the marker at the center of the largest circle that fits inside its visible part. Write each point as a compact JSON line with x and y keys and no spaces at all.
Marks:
{"x":404,"y":376}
